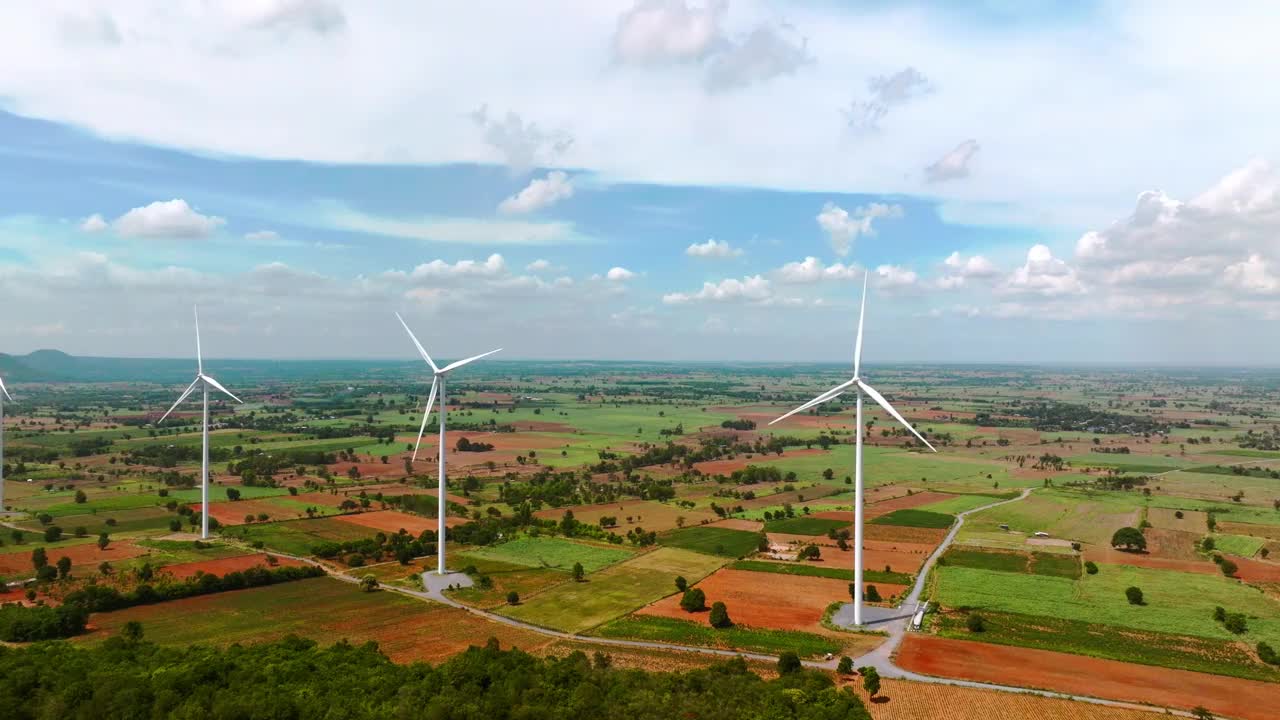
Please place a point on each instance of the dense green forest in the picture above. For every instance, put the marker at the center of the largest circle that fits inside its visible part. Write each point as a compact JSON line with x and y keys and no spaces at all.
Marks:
{"x":293,"y":678}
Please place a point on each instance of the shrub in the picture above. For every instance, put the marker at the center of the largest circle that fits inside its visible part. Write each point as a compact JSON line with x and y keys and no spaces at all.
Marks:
{"x":53,"y":533}
{"x":368,"y":583}
{"x":1220,"y":613}
{"x":845,"y":667}
{"x":1267,"y":655}
{"x":872,"y":594}
{"x":788,"y":663}
{"x":578,"y":572}
{"x":1228,"y":567}
{"x":1236,"y":623}
{"x":681,"y":583}
{"x":720,"y":616}
{"x":1208,"y":544}
{"x":975,"y":623}
{"x":694,"y":600}
{"x":1091,"y":567}
{"x":513,"y":598}
{"x":1134,"y":594}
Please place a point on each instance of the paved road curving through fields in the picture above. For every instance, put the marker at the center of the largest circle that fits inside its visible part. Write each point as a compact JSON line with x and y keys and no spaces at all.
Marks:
{"x":895,"y":624}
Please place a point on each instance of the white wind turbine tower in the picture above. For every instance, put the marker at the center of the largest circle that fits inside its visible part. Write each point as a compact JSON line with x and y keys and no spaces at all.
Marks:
{"x":204,"y":382}
{"x":856,"y":385}
{"x":437,"y":386}
{"x":4,"y":395}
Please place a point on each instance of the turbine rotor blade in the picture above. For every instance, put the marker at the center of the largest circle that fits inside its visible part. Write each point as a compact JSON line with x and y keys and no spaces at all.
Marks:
{"x":421,"y":350}
{"x":831,"y":394}
{"x":862,"y":315}
{"x":199,"y":355}
{"x":460,"y":363}
{"x":875,"y":395}
{"x":3,"y":390}
{"x":185,"y":394}
{"x":431,"y":400}
{"x":218,"y":386}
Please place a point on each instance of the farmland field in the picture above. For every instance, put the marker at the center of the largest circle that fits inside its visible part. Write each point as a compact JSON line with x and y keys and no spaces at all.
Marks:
{"x":713,"y":540}
{"x":805,"y":525}
{"x":552,"y":553}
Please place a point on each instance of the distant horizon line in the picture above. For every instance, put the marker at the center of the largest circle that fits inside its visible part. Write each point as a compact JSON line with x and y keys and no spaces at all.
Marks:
{"x":1119,"y":364}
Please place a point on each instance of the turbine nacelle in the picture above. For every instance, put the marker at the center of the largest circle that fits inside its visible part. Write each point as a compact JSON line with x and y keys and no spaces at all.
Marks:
{"x":438,"y":375}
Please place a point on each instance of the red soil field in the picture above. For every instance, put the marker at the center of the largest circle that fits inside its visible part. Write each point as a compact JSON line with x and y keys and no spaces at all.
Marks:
{"x":903,"y":502}
{"x":1255,"y":571}
{"x":230,"y":512}
{"x":876,"y":554}
{"x":896,"y":533}
{"x":1080,"y":675}
{"x":82,"y":556}
{"x":225,"y":565}
{"x":391,"y":521}
{"x":1111,"y":556}
{"x":762,"y":600}
{"x":738,"y":524}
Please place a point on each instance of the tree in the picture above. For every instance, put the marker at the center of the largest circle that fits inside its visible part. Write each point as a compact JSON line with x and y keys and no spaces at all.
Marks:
{"x":1200,"y":712}
{"x":132,"y":631}
{"x":64,"y":566}
{"x":1091,"y":567}
{"x":788,"y":663}
{"x":53,"y":533}
{"x":1207,"y":544}
{"x":845,"y":667}
{"x":104,"y":567}
{"x":720,"y":616}
{"x":1129,"y":538}
{"x":513,"y":598}
{"x":103,"y":541}
{"x":694,"y":600}
{"x":870,"y":680}
{"x":681,"y":583}
{"x":1135,"y":595}
{"x":578,"y":572}
{"x":233,"y":494}
{"x":1228,"y":567}
{"x":81,"y":498}
{"x":828,"y":474}
{"x":975,"y":623}
{"x":873,"y":595}
{"x":39,"y":558}
{"x":368,"y":583}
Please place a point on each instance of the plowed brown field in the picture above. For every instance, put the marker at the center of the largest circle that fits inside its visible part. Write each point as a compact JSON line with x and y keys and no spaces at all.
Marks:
{"x":86,"y":555}
{"x":225,"y":565}
{"x":907,"y":700}
{"x":391,"y":521}
{"x":1080,"y":675}
{"x":762,"y":600}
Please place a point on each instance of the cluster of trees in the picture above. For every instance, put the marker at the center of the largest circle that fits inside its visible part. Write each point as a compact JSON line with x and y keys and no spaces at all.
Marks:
{"x":695,"y":600}
{"x":739,"y":424}
{"x":1237,"y":623}
{"x":465,"y":445}
{"x":402,"y":546}
{"x":307,"y":681}
{"x":30,"y":624}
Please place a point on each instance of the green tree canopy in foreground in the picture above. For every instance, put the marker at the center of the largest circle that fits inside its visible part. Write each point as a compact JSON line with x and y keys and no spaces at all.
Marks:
{"x":125,"y":678}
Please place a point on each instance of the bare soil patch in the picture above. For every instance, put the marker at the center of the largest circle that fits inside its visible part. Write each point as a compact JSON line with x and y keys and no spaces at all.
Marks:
{"x":1111,"y":556}
{"x":739,"y":524}
{"x":793,"y":602}
{"x":1256,"y":571}
{"x":85,"y":555}
{"x":225,"y":565}
{"x":1078,"y":674}
{"x":907,"y":700}
{"x":650,"y":515}
{"x":391,"y":521}
{"x":232,"y":512}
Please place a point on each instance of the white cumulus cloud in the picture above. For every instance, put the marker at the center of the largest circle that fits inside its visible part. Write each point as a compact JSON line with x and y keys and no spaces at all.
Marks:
{"x":844,"y":228}
{"x":667,"y":31}
{"x":166,"y":219}
{"x":619,"y":274}
{"x":538,"y":194}
{"x":712,"y":248}
{"x":749,"y":289}
{"x":94,"y":223}
{"x":812,"y":270}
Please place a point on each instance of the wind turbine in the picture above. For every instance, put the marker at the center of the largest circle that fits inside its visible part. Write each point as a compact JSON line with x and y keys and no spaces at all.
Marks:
{"x":857,"y":386}
{"x":204,"y":382}
{"x":4,"y":394}
{"x":437,"y":386}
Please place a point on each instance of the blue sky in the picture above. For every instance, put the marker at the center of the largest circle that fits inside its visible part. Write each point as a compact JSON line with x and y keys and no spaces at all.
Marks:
{"x":648,"y":179}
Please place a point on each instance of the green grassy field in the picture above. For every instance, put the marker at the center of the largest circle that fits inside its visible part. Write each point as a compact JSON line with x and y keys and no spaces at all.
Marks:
{"x":685,"y":632}
{"x":980,"y":560}
{"x":915,"y":518}
{"x":1242,"y":545}
{"x":712,"y":540}
{"x":615,"y":591}
{"x":552,"y":552}
{"x":1176,"y":603}
{"x":805,"y":525}
{"x":297,"y":537}
{"x":959,"y":504}
{"x":871,"y":576}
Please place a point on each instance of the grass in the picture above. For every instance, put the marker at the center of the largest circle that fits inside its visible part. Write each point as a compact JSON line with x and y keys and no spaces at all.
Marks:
{"x":982,"y":560}
{"x":615,"y":591}
{"x":685,"y":632}
{"x":804,"y":525}
{"x":1176,"y":603}
{"x":506,"y":577}
{"x":297,"y":537}
{"x":1083,"y":638}
{"x":554,"y":553}
{"x":219,"y":492}
{"x":714,"y":541}
{"x":1055,"y":565}
{"x":915,"y":518}
{"x":960,"y":503}
{"x":871,"y":576}
{"x":1242,"y":545}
